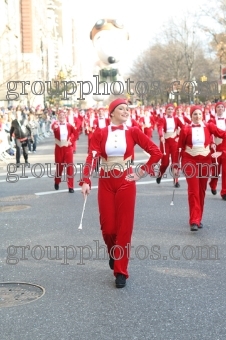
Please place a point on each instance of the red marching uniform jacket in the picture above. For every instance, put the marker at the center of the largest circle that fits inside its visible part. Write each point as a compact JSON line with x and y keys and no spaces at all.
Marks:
{"x":133,"y":136}
{"x":72,"y":133}
{"x":185,"y":138}
{"x":220,"y":122}
{"x":162,"y":125}
{"x":147,"y":122}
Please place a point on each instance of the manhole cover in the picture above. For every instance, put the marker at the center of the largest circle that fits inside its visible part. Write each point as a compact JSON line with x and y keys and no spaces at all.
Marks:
{"x":17,"y":198}
{"x":15,"y":294}
{"x":10,"y":208}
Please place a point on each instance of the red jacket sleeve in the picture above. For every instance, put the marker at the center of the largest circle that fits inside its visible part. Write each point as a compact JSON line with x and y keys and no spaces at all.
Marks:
{"x":74,"y":134}
{"x":182,"y":138}
{"x":216,"y":131}
{"x":90,"y":163}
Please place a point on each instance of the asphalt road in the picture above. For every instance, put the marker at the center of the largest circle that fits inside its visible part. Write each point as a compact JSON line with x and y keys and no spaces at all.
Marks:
{"x":177,"y":284}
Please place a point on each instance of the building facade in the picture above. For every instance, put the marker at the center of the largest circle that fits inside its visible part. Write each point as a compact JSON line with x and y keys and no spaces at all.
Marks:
{"x":35,"y":45}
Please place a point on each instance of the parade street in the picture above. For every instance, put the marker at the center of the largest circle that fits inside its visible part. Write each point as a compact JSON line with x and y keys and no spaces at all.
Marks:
{"x":176,"y":289}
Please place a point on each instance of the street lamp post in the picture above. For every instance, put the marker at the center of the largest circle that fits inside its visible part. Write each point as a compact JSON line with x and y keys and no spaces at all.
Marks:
{"x":142,"y":97}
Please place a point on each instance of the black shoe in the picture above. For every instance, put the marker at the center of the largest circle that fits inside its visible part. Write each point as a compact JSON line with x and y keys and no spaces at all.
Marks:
{"x":214,"y":192}
{"x":27,"y":164}
{"x":194,"y":227}
{"x":120,"y":281}
{"x":111,"y":263}
{"x":200,"y":225}
{"x":56,"y":186}
{"x":177,"y":185}
{"x":158,"y":180}
{"x":18,"y":165}
{"x":223,"y":197}
{"x":71,"y":190}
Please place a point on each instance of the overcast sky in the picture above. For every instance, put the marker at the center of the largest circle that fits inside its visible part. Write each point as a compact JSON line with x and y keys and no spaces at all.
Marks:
{"x":143,"y":19}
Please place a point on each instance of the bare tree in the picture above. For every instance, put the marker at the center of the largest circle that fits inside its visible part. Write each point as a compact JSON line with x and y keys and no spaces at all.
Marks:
{"x":178,"y":55}
{"x":213,"y":23}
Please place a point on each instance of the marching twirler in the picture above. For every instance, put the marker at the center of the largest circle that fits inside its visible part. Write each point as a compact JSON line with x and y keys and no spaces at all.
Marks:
{"x":65,"y":135}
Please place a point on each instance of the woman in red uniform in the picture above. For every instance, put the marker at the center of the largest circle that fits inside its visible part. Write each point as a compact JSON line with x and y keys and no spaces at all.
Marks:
{"x":168,"y":134}
{"x":194,"y":144}
{"x":65,"y":134}
{"x":116,"y":188}
{"x":147,"y":123}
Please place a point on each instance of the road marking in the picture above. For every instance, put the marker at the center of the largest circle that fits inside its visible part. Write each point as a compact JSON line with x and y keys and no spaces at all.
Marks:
{"x":95,"y":187}
{"x":58,"y":191}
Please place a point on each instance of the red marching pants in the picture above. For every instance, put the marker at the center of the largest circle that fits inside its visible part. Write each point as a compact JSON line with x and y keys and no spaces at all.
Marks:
{"x":116,"y":199}
{"x":64,"y":155}
{"x":170,"y":150}
{"x":74,"y":145}
{"x":148,"y":132}
{"x":221,"y":167}
{"x":197,"y":171}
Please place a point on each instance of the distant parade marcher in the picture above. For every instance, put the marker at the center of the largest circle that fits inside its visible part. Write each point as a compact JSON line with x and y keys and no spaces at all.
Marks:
{"x":101,"y":121}
{"x":65,"y":134}
{"x":167,"y":130}
{"x":89,"y":125}
{"x":194,"y":149}
{"x":147,"y":123}
{"x":219,"y":152}
{"x":180,"y":115}
{"x":131,"y":121}
{"x":207,"y":115}
{"x":76,"y":123}
{"x":80,"y":123}
{"x":21,"y":132}
{"x":34,"y":126}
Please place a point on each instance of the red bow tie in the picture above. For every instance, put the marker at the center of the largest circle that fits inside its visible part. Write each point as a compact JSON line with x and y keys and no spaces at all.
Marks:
{"x":197,"y":125}
{"x":118,"y":127}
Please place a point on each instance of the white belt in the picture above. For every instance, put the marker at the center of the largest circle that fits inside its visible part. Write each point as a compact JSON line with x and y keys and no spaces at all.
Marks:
{"x":198,"y":150}
{"x":218,"y":140}
{"x":170,"y":134}
{"x":61,"y":143}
